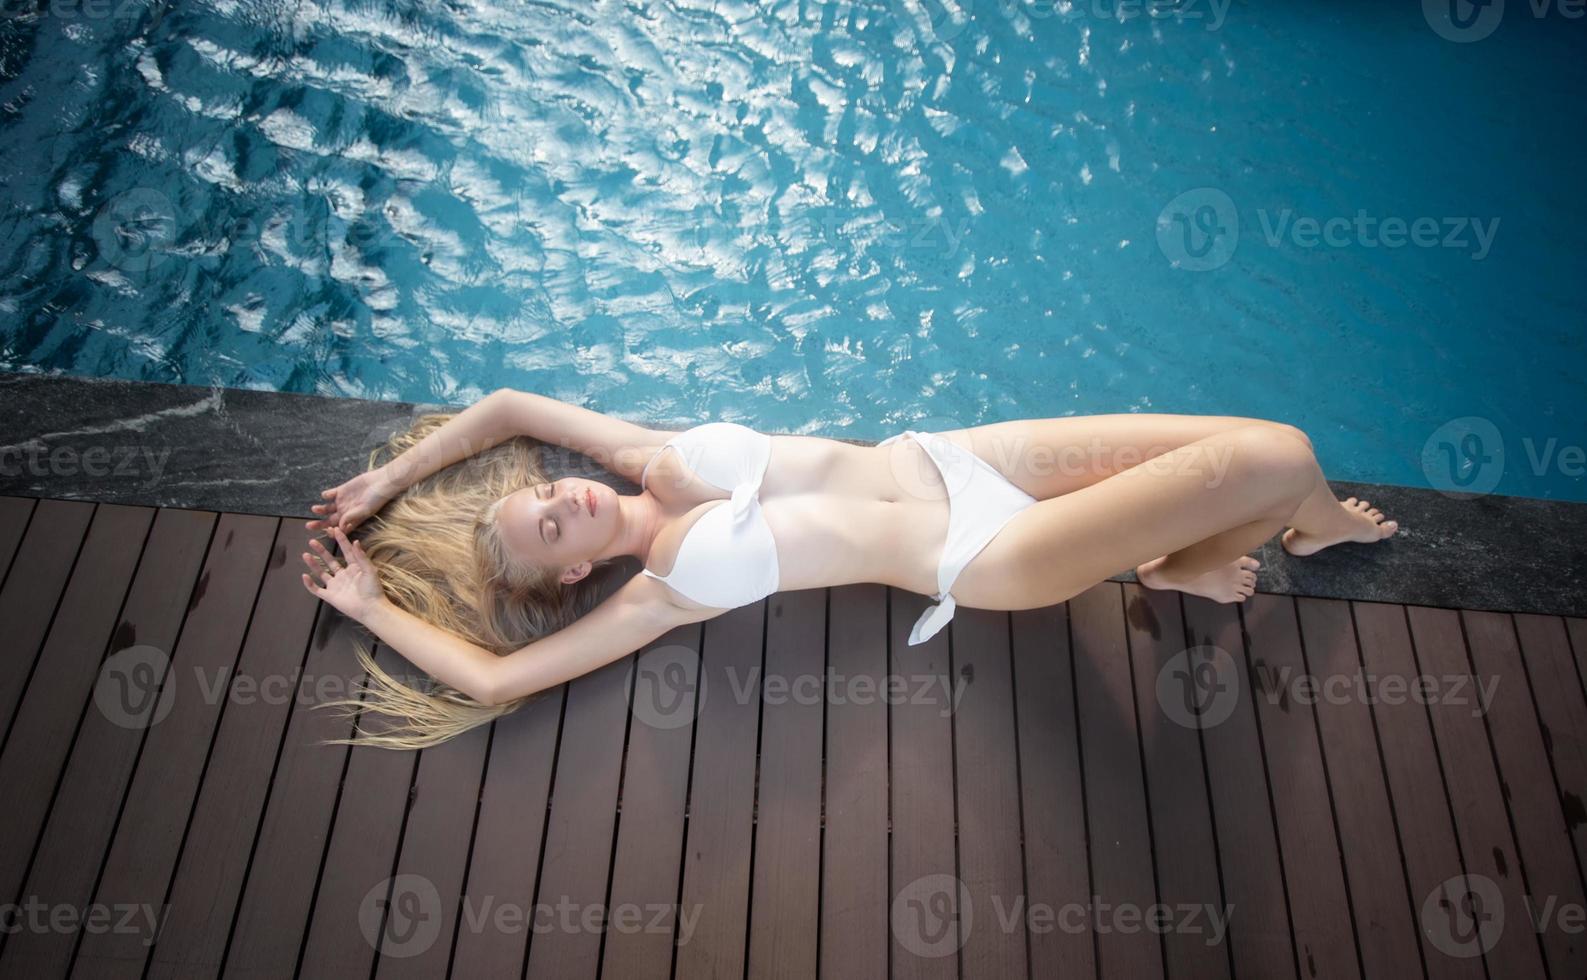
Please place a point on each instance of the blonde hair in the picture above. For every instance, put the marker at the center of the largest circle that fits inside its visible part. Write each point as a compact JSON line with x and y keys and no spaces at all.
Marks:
{"x":441,"y":557}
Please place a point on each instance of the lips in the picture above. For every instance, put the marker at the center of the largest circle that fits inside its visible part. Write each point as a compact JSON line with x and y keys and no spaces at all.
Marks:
{"x":589,"y":500}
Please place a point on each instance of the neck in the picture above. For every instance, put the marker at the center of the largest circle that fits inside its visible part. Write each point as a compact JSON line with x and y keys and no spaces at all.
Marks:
{"x":640,"y":519}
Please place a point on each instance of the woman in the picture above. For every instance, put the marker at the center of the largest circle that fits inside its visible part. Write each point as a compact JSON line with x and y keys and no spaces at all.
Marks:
{"x":479,"y":571}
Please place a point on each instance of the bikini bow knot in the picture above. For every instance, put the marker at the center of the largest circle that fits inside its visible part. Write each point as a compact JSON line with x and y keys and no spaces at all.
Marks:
{"x":743,"y":497}
{"x":933,"y":619}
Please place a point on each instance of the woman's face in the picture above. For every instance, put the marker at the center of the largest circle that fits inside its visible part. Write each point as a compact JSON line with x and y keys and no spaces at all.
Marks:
{"x":561,"y":524}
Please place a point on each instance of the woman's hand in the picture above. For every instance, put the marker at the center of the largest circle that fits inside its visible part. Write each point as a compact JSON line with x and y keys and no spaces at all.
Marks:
{"x":351,"y":502}
{"x":353,"y":588}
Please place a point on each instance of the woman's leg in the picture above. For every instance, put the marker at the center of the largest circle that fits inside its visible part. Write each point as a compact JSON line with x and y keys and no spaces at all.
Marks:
{"x":1219,"y":567}
{"x":1208,"y":499}
{"x":1050,"y":457}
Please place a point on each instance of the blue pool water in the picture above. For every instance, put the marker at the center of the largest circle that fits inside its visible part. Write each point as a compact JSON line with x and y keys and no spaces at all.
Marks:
{"x":841,"y":218}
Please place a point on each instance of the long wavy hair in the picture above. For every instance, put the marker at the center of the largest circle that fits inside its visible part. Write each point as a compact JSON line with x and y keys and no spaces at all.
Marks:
{"x":440,"y":557}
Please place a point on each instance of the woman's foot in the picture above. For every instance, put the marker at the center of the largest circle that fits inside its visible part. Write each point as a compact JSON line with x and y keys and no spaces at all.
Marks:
{"x":1233,"y":582}
{"x":1364,"y":523}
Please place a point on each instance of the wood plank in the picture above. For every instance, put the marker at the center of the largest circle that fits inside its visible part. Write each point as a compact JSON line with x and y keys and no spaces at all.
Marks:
{"x":1195,"y":941}
{"x":927,"y":897}
{"x":1548,"y":862}
{"x":785,"y":892}
{"x":435,"y":846}
{"x":1296,"y":770}
{"x":1480,"y":819}
{"x":1052,"y":794}
{"x":1545,"y":647}
{"x":1416,"y":785}
{"x":63,"y":680}
{"x":28,"y":602}
{"x":213,"y":862}
{"x":15,"y":513}
{"x":507,"y":839}
{"x":649,"y":855}
{"x":154,"y":818}
{"x":84,"y":813}
{"x":571,"y":891}
{"x":986,"y":765}
{"x":347,"y":922}
{"x":1248,"y":855}
{"x":1576,"y":629}
{"x":1380,"y":897}
{"x":721,"y":815}
{"x":279,"y":891}
{"x":1120,"y":832}
{"x":854,"y":937}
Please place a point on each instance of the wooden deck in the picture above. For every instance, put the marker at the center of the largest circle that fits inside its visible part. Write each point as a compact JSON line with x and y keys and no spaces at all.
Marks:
{"x":1132,"y":784}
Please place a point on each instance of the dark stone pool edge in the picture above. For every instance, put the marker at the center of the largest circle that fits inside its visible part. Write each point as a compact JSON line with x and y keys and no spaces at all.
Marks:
{"x":258,"y":452}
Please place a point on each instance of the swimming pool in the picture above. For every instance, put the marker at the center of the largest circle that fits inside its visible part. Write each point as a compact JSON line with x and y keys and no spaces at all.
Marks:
{"x":835,"y":218}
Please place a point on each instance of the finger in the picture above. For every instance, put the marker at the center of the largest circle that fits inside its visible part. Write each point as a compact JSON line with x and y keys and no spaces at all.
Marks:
{"x":325,"y":555}
{"x":361,"y":557}
{"x":320,"y":508}
{"x":308,"y":583}
{"x":329,"y":494}
{"x":314,"y":569}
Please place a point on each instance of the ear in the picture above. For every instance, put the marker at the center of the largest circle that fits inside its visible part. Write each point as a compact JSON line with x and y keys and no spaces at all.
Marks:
{"x":575,"y":572}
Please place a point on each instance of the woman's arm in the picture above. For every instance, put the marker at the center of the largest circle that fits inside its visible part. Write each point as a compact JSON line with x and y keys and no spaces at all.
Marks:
{"x":474,"y":429}
{"x":632,"y":617}
{"x":619,"y":445}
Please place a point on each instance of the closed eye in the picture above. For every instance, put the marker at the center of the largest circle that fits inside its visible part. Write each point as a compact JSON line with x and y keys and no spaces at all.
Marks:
{"x":550,"y":531}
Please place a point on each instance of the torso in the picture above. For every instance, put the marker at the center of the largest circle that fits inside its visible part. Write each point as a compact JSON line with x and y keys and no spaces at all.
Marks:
{"x":840,"y":513}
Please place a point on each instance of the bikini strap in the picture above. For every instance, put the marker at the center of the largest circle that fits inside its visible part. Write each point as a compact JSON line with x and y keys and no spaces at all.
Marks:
{"x":646,"y":471}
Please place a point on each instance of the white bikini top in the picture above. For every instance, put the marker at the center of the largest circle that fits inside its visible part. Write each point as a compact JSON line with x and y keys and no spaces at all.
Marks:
{"x":728,"y":557}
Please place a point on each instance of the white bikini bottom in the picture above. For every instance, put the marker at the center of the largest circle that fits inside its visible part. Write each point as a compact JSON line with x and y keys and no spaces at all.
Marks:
{"x":980,"y":501}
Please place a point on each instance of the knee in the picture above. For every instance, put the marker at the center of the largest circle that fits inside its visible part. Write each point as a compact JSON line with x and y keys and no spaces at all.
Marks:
{"x":1294,"y":432}
{"x":1277,"y":457}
